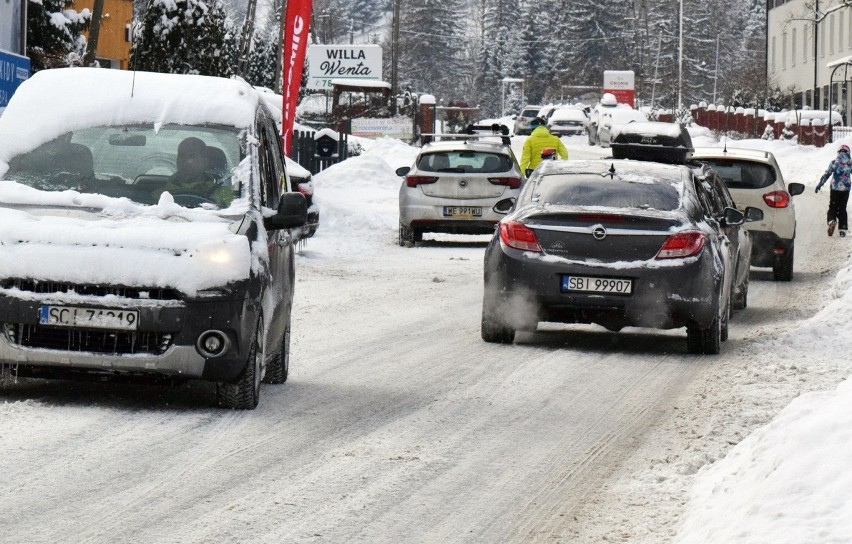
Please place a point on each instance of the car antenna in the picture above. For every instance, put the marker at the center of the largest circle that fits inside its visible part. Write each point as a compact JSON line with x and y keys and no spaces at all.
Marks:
{"x":612,"y":171}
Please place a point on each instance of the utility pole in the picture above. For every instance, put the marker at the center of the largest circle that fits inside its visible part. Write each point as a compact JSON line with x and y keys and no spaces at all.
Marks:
{"x":395,"y":54}
{"x":656,"y":67}
{"x":94,"y":32}
{"x":281,"y":10}
{"x":814,"y":104}
{"x":246,"y":38}
{"x":716,"y":72}
{"x":680,"y":60}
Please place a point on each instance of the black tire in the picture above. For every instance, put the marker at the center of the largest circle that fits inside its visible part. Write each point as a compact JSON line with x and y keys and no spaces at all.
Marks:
{"x":278,"y":369}
{"x":406,"y":236}
{"x":707,"y":341}
{"x":724,"y":331}
{"x":782,"y":270}
{"x":493,"y":330}
{"x":244,"y":392}
{"x":740,"y":301}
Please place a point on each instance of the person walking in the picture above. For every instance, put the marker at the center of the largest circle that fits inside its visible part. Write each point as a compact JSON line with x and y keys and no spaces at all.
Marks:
{"x":539,"y":139}
{"x":840,"y":170}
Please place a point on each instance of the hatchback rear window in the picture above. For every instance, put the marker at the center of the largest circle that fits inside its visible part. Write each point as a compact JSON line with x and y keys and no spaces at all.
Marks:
{"x":630,"y":191}
{"x":529,"y":113}
{"x":475,"y":162}
{"x":743,"y":174}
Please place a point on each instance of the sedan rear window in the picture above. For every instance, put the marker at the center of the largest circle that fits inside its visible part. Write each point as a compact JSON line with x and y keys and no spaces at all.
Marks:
{"x":631,"y":191}
{"x":464,"y":161}
{"x":743,"y":174}
{"x":529,"y":113}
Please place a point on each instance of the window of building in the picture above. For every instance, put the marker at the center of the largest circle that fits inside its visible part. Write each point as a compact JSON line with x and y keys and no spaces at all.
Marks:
{"x":840,"y":34}
{"x":772,"y":56}
{"x":793,"y":49}
{"x":831,"y":34}
{"x":784,"y":51}
{"x":821,"y":41}
{"x":806,"y":50}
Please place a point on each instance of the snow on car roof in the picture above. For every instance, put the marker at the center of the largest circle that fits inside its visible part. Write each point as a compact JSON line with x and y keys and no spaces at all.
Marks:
{"x":568,"y":114}
{"x":653,"y":128}
{"x":53,"y":102}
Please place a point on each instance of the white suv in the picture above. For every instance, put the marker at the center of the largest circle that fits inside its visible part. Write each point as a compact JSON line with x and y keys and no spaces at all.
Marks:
{"x":754,"y":179}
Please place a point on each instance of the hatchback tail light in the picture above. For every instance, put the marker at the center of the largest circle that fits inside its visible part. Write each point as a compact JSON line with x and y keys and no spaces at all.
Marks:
{"x":519,"y":236}
{"x":777,"y":199}
{"x":511,"y":183}
{"x":682,"y":244}
{"x":414,"y":181}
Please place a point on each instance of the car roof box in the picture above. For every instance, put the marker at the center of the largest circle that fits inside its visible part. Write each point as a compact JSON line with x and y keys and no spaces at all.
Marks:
{"x":653,"y":141}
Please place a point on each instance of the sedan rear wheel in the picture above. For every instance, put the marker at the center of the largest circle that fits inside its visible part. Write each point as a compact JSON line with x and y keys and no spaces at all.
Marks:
{"x":407,"y":236}
{"x":707,"y":341}
{"x":493,"y":329}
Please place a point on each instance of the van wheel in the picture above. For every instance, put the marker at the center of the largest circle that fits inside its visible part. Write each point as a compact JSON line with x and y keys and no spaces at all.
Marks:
{"x":278,"y":369}
{"x":244,"y":392}
{"x":782,"y":270}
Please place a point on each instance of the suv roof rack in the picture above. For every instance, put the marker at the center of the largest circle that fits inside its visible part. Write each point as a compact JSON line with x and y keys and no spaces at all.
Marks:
{"x":473,"y":132}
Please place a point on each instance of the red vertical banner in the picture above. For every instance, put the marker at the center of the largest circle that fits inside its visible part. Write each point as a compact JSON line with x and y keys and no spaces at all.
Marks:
{"x":294,"y":46}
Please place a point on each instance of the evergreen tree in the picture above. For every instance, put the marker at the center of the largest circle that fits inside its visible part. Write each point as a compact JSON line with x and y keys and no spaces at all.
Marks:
{"x":499,"y":43}
{"x":185,"y":37}
{"x":432,"y":54}
{"x":54,"y":36}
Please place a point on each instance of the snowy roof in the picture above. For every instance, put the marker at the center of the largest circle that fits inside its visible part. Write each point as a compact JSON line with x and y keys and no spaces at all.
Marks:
{"x":69,"y":99}
{"x":373,"y":83}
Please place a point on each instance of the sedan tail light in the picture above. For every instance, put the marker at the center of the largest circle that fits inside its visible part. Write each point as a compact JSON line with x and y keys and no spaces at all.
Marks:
{"x":511,"y":183}
{"x":682,"y":244}
{"x":777,"y":199}
{"x":519,"y":236}
{"x":414,"y":181}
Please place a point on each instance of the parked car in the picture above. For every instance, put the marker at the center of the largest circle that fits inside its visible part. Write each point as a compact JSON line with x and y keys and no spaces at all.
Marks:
{"x":151,"y":225}
{"x":522,"y":121}
{"x":671,"y":143}
{"x":754,"y":179}
{"x":607,"y":102}
{"x":568,"y":122}
{"x":301,"y":181}
{"x":454,"y":186}
{"x":612,"y":121}
{"x":613,"y":242}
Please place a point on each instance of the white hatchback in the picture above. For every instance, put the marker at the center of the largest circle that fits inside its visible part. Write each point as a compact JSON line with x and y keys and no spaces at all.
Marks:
{"x":754,"y":179}
{"x":457,"y":187}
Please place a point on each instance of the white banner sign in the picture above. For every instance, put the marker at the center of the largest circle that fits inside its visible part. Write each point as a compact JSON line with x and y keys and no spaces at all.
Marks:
{"x":327,"y":62}
{"x":392,"y":127}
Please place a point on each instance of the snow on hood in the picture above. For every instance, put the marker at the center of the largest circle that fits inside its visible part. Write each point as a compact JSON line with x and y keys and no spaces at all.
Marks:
{"x":69,"y":99}
{"x":123,"y":244}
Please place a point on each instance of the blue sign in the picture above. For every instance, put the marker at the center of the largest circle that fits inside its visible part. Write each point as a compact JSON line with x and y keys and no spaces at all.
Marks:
{"x":14,"y":70}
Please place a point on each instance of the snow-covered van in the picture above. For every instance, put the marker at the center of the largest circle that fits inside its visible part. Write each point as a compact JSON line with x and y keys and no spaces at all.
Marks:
{"x":145,"y":231}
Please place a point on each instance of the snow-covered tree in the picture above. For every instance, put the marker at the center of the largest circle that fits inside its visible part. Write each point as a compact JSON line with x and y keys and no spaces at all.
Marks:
{"x":54,"y":33}
{"x":185,"y":37}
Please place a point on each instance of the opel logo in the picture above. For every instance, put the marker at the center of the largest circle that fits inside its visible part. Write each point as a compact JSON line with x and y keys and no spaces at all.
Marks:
{"x":463,"y":183}
{"x":599,"y":232}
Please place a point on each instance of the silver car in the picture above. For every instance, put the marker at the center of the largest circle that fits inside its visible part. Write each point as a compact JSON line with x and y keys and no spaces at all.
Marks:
{"x":454,"y":187}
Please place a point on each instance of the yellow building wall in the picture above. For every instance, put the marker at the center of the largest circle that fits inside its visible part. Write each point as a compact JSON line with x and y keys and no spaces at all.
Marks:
{"x":112,"y":38}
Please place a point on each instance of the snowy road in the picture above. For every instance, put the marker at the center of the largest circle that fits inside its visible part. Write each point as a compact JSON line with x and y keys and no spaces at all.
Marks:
{"x":398,"y":423}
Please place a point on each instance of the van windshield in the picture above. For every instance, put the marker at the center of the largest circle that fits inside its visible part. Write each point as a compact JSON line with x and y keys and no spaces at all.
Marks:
{"x":140,"y":162}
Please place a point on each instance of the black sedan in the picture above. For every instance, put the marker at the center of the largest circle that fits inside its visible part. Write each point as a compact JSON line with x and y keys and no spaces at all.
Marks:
{"x":613,"y":242}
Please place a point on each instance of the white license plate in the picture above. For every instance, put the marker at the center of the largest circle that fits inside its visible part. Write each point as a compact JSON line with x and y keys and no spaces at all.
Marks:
{"x":88,"y":318}
{"x":590,"y":284}
{"x":462,"y":211}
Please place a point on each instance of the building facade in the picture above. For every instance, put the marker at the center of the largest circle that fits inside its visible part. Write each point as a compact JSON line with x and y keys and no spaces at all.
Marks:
{"x":116,"y":32}
{"x":799,"y":50}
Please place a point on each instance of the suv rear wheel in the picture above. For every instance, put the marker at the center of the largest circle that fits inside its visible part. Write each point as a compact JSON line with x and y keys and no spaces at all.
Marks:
{"x":782,"y":270}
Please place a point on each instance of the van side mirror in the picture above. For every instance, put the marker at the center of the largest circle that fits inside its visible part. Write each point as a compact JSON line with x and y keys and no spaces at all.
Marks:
{"x":733,"y":217}
{"x":504,"y":206}
{"x":292,"y":212}
{"x":403,"y":171}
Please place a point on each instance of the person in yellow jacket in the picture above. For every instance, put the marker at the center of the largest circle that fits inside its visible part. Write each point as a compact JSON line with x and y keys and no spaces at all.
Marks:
{"x":538,"y":140}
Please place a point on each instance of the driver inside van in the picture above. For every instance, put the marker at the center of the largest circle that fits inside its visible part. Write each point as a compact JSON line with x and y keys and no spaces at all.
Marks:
{"x":195,"y":177}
